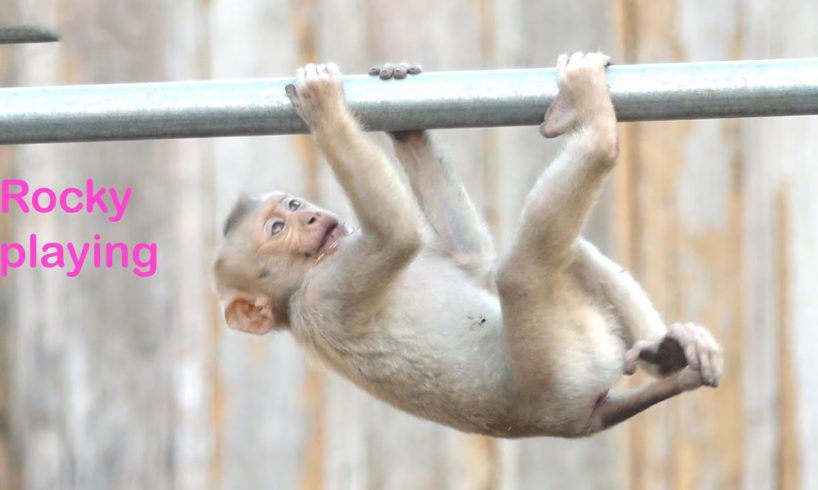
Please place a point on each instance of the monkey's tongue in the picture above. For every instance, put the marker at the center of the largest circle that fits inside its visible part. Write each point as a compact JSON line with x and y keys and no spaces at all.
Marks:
{"x":330,"y":240}
{"x":330,"y":236}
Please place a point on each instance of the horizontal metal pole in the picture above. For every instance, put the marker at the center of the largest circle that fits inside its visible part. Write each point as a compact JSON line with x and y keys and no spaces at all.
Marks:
{"x":27,"y":34}
{"x":429,"y":100}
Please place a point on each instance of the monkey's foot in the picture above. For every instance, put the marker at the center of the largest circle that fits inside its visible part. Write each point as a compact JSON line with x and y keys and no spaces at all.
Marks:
{"x":685,"y":345}
{"x":583,"y":98}
{"x":397,"y":71}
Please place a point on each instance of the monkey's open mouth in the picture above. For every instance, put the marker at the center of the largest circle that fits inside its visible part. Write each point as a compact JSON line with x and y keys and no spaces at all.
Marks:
{"x":329,"y":242}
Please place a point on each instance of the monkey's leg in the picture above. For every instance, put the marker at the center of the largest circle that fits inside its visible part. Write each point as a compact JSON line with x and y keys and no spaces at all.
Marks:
{"x":632,"y":306}
{"x":562,"y":197}
{"x":450,"y":212}
{"x":658,"y":350}
{"x":548,"y":318}
{"x":620,"y":405}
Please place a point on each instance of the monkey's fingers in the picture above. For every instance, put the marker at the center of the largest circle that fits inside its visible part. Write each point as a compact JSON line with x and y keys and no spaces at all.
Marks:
{"x":333,"y":69}
{"x":397,"y":71}
{"x":598,"y":58}
{"x":292,"y":94}
{"x":301,"y":76}
{"x":311,"y":70}
{"x":576,"y":58}
{"x":562,"y":62}
{"x":401,"y":69}
{"x":386,"y":71}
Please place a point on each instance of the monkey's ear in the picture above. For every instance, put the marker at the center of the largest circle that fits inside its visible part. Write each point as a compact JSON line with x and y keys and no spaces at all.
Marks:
{"x":254,"y":317}
{"x":559,"y":118}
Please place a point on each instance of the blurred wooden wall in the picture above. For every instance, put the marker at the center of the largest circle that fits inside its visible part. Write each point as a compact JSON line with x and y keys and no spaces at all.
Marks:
{"x":110,"y":381}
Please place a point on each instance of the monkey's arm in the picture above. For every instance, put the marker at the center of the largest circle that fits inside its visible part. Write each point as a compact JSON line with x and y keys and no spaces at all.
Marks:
{"x":389,"y":219}
{"x":444,"y":200}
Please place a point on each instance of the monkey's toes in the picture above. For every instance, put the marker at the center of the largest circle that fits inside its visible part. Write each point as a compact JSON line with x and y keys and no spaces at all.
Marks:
{"x":640,"y":350}
{"x":387,"y":71}
{"x":701,"y":351}
{"x":398,"y":71}
{"x":580,"y":66}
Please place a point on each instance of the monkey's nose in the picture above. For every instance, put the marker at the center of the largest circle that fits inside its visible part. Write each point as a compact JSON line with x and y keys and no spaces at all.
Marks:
{"x":313,"y":219}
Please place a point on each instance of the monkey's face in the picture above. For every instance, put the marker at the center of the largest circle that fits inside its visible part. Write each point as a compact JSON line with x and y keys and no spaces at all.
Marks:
{"x":295,"y":230}
{"x":265,"y":258}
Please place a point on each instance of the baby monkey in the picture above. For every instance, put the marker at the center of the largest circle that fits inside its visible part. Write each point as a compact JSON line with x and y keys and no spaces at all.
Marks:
{"x":410,"y":307}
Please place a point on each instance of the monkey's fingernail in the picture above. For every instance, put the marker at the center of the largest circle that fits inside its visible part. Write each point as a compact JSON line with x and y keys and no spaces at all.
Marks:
{"x":375,"y":70}
{"x":414,"y":69}
{"x":387,"y":70}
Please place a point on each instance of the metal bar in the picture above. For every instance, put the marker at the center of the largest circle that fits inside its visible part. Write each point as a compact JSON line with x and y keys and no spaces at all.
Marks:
{"x":27,"y":34}
{"x":430,"y":100}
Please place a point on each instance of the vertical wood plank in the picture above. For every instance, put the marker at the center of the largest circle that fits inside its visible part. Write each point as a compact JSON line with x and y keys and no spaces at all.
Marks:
{"x":271,"y":420}
{"x":10,"y":457}
{"x":94,"y":398}
{"x":530,"y":34}
{"x":782,"y":236}
{"x":685,"y":217}
{"x":789,"y":457}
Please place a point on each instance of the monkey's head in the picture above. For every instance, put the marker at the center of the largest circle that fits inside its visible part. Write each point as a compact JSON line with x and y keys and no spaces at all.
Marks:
{"x":270,"y":244}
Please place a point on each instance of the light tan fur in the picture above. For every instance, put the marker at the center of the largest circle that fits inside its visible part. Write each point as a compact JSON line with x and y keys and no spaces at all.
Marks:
{"x":412,"y":307}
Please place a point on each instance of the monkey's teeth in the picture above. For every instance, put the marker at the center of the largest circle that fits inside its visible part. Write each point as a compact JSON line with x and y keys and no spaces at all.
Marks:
{"x":331,"y":246}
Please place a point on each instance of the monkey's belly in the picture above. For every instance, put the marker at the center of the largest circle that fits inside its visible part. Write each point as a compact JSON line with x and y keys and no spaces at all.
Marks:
{"x":435,"y":349}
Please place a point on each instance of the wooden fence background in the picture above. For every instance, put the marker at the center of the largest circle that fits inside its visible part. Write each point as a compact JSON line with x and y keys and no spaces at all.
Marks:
{"x":111,"y":381}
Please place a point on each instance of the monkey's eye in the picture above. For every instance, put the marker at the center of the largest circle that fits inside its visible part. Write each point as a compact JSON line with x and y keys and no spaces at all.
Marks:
{"x":294,"y":204}
{"x":273,"y":227}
